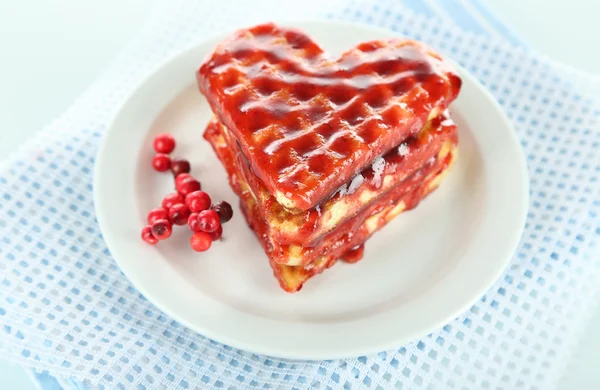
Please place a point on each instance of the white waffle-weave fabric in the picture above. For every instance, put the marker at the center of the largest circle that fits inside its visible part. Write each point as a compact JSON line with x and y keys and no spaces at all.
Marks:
{"x":66,"y":308}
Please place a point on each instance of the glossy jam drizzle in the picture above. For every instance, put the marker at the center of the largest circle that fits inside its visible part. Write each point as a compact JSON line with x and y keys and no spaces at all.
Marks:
{"x":308,"y":123}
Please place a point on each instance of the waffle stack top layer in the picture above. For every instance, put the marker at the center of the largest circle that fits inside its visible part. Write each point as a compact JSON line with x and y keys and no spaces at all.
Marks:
{"x":307,"y":123}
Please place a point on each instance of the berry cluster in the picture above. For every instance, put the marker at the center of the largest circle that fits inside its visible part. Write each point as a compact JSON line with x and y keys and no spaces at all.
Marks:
{"x":189,"y":205}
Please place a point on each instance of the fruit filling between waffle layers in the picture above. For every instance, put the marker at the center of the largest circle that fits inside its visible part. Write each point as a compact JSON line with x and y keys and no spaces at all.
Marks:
{"x":292,"y":278}
{"x":307,"y":227}
{"x":362,"y":227}
{"x":330,"y":243}
{"x":307,"y":123}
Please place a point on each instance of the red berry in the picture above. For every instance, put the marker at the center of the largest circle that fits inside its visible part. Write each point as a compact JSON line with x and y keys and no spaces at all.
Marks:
{"x":171,"y":200}
{"x":164,"y":143}
{"x":161,"y":229}
{"x":216,"y":234}
{"x":224,"y":210}
{"x":178,"y":214}
{"x":161,"y":162}
{"x":147,"y":236}
{"x":188,"y":185}
{"x":179,"y":166}
{"x":200,"y":241}
{"x":198,"y":201}
{"x":157,"y":213}
{"x":209,"y":221}
{"x":181,"y":177}
{"x":193,"y":222}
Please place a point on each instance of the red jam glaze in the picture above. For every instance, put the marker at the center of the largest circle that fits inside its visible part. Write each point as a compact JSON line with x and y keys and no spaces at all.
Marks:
{"x":399,"y":163}
{"x":355,"y":254}
{"x":308,"y":123}
{"x":337,"y":242}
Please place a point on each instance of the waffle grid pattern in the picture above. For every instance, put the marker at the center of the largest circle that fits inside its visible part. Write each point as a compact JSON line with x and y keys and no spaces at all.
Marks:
{"x":65,"y":307}
{"x":301,"y":117}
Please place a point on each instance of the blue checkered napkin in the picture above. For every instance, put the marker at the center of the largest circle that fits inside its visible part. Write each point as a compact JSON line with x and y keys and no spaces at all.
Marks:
{"x":66,"y":309}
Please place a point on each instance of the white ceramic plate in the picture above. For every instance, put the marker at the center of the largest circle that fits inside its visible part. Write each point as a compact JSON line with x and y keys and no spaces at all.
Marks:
{"x":421,"y":271}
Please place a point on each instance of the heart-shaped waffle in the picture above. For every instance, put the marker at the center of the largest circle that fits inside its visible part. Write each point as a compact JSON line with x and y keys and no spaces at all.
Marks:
{"x":307,"y":123}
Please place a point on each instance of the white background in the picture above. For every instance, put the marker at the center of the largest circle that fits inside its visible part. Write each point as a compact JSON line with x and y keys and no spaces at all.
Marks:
{"x":51,"y":50}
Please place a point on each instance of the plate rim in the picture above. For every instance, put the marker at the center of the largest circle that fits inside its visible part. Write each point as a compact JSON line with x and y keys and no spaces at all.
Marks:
{"x":348,"y":352}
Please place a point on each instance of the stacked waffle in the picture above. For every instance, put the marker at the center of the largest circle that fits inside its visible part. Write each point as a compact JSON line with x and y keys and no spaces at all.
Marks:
{"x":323,"y":153}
